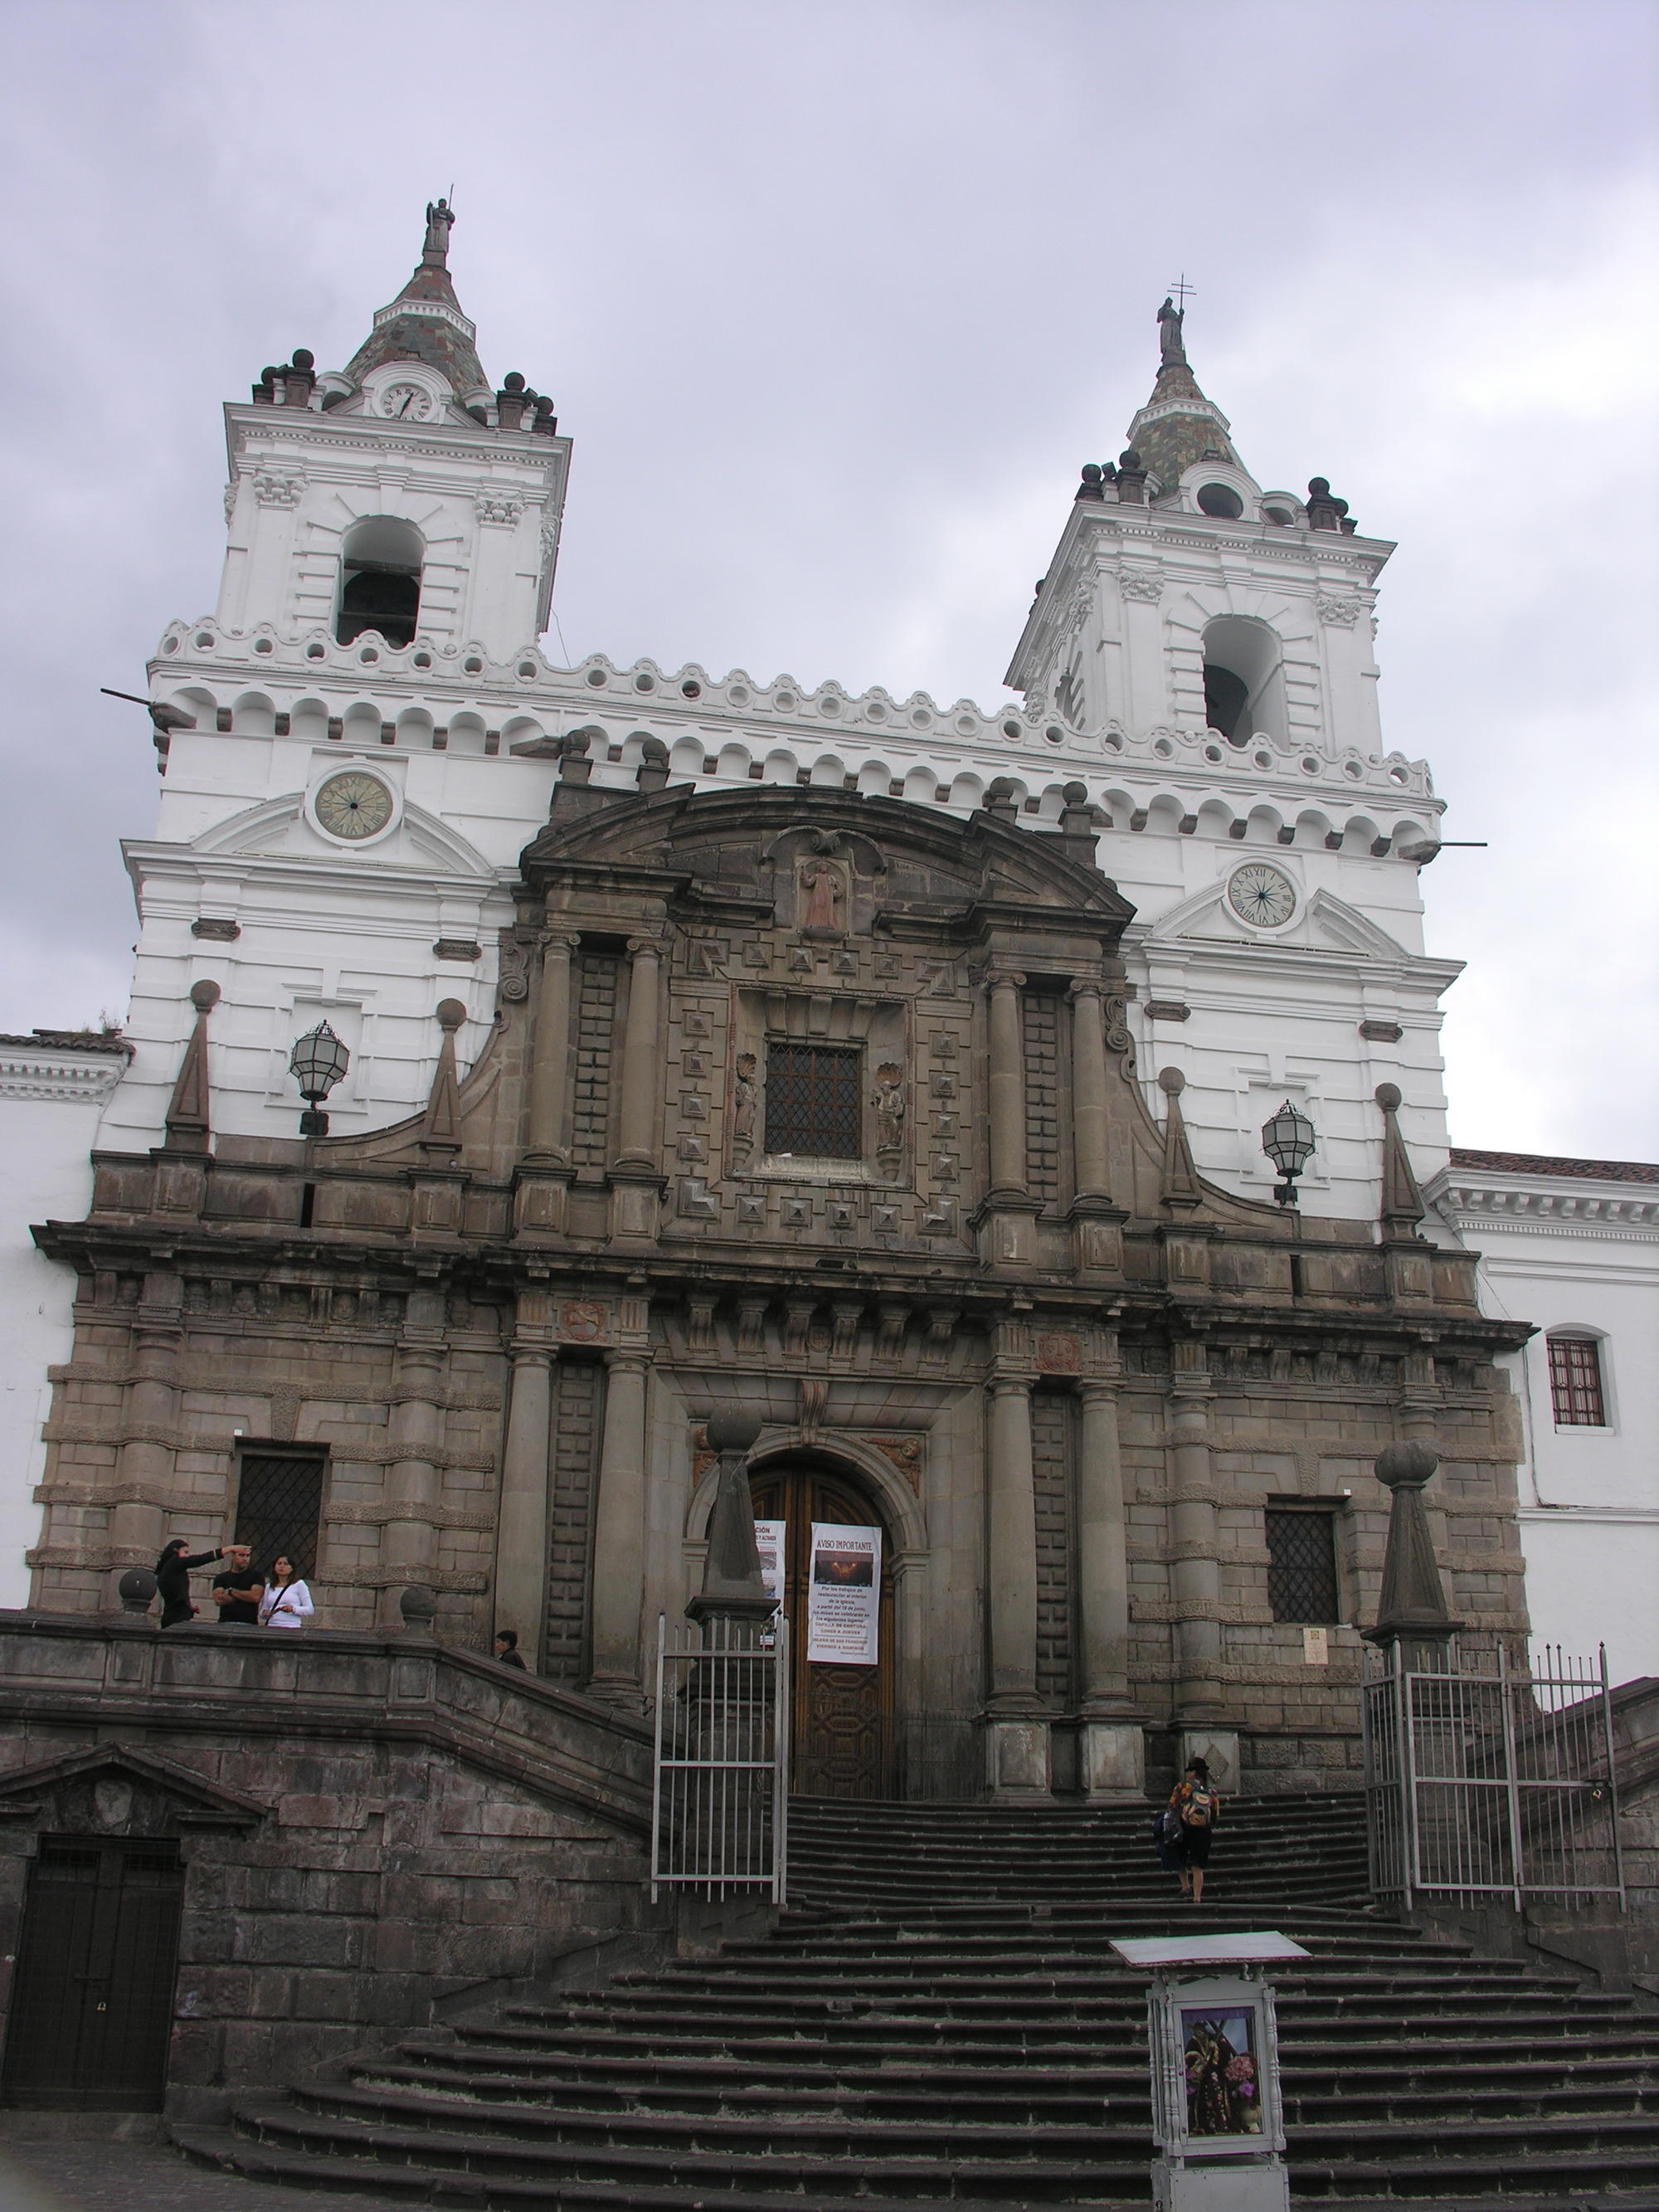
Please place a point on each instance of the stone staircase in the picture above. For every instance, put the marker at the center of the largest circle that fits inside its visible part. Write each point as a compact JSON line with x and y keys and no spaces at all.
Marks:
{"x":938,"y":2017}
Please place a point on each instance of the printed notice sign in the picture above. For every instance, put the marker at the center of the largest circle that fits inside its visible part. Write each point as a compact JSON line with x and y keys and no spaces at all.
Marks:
{"x":843,"y":1606}
{"x":768,"y":1540}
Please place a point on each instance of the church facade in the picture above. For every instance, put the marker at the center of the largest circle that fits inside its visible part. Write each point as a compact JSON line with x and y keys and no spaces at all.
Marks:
{"x":891,"y":1070}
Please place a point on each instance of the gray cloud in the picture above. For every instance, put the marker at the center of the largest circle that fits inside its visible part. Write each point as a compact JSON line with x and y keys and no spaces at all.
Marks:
{"x":834,"y":303}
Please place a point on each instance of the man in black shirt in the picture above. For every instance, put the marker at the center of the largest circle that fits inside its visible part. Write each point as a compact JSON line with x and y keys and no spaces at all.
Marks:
{"x":507,"y":1649}
{"x":237,"y":1591}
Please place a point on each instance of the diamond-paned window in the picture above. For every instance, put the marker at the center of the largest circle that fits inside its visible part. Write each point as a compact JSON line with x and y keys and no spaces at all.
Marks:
{"x":1301,"y":1563}
{"x":279,"y":1504}
{"x":813,"y":1106}
{"x":1576,"y":1382}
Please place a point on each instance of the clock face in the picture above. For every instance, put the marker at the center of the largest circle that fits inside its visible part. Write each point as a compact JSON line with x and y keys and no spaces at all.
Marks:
{"x":353,"y":805}
{"x":407,"y":402}
{"x":1261,"y":895}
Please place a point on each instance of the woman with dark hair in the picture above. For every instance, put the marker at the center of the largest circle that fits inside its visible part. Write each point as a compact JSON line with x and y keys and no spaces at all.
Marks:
{"x":173,"y":1580}
{"x":1196,"y":1803}
{"x":286,"y":1601}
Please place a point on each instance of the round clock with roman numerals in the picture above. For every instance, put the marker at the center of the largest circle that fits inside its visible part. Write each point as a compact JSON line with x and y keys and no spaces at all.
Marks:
{"x":1263,"y":897}
{"x":353,"y":805}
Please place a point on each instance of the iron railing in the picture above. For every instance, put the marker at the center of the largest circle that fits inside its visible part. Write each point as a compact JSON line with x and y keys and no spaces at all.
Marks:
{"x":720,"y":1777}
{"x":1489,"y":1781}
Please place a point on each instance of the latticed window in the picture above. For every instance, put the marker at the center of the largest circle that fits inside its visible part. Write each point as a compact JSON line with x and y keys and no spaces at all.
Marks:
{"x":812,"y":1101}
{"x":278,"y":1505}
{"x":1301,"y":1563}
{"x":1576,"y":1382}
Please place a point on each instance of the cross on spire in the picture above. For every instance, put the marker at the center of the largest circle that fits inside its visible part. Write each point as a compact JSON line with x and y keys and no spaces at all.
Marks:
{"x":1182,"y":288}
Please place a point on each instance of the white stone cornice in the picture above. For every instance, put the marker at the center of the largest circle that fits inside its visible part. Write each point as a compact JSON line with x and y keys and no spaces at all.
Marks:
{"x":57,"y":1072}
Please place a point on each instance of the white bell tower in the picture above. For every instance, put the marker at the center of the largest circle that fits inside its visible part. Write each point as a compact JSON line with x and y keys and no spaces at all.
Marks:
{"x":402,"y":495}
{"x":1184,"y":598}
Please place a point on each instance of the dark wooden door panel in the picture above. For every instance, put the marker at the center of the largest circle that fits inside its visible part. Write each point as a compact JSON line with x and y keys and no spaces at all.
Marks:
{"x":92,"y":2001}
{"x":843,"y":1718}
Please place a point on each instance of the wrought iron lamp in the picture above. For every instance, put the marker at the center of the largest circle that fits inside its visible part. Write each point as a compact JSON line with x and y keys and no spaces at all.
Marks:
{"x":316,"y":1062}
{"x":1288,"y":1141}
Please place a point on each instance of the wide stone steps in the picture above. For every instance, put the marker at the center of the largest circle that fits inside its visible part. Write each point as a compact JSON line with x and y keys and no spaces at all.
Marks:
{"x":978,"y":2042}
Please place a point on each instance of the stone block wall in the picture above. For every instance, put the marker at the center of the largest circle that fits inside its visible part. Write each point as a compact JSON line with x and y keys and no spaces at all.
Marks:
{"x":371,"y":1827}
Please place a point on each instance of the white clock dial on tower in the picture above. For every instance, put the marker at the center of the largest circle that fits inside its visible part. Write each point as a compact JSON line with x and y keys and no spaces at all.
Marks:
{"x":1263,"y":897}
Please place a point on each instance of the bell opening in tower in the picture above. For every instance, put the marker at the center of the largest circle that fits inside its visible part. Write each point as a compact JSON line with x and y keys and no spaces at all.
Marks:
{"x":1225,"y":697}
{"x":380,"y":581}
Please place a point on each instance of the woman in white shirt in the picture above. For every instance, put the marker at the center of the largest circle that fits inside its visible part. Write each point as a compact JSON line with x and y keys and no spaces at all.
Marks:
{"x":286,"y":1601}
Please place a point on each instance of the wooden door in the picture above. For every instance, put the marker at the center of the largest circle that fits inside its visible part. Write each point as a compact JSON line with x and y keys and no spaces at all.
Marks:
{"x":92,"y":2001}
{"x":843,"y":1720}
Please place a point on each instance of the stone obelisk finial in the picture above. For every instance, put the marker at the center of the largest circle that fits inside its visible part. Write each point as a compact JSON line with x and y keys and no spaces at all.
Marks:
{"x":732,"y":1589}
{"x":187,"y":1108}
{"x":1412,"y":1614}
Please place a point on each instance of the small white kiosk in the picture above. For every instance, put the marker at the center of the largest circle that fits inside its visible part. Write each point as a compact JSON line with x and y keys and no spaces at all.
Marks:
{"x":1214,"y":2045}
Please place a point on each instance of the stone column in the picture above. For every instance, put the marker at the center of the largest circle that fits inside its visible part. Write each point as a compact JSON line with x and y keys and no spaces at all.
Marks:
{"x":409,"y":1536}
{"x":521,"y":1520}
{"x":1089,"y":1129}
{"x":619,"y":1532}
{"x":150,"y":1418}
{"x":1006,"y":1088}
{"x":1114,"y":1763}
{"x":549,"y":1073}
{"x":1017,"y":1731}
{"x":642,"y":1069}
{"x":1195,"y":1574}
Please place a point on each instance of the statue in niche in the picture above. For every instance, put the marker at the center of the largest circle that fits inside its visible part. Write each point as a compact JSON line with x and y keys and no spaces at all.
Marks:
{"x":888,"y":1100}
{"x":1171,"y":352}
{"x":744,"y":1101}
{"x":824,"y":897}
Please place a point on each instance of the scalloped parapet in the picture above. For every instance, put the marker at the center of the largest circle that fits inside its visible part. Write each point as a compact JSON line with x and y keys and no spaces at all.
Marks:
{"x":721,"y":728}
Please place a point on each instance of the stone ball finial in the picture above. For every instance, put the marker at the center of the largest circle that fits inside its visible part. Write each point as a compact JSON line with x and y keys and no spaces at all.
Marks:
{"x":304,"y":357}
{"x":1406,"y":1466}
{"x":1171,"y":1081}
{"x":1387,"y":1095}
{"x":1128,"y":458}
{"x":654,"y":749}
{"x":419,"y":1606}
{"x":734,"y":1430}
{"x":268,"y":376}
{"x":204,"y":995}
{"x":1075,"y":794}
{"x":1091,"y":472}
{"x":1319,"y":487}
{"x":513,"y":380}
{"x":450,"y":1014}
{"x":136,"y":1589}
{"x":543,"y":404}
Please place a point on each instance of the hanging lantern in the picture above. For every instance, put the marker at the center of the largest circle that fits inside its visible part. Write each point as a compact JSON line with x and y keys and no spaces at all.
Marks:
{"x":317,"y":1063}
{"x":1288,"y":1141}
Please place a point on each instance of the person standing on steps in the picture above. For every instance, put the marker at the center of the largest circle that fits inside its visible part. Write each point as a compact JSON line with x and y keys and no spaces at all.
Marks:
{"x":1197,"y":1806}
{"x":507,"y":1649}
{"x":173,"y":1580}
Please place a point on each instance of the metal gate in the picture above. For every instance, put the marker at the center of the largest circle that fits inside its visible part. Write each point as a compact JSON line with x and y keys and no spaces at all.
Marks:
{"x":1489,"y":1781}
{"x":92,"y":2004}
{"x":720,"y":1782}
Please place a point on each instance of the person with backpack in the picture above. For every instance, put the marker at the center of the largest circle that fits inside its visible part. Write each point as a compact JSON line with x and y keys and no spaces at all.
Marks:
{"x":1197,"y":1806}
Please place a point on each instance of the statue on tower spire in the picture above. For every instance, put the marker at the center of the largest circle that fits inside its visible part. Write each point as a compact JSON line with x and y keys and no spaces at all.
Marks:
{"x":1172,"y":353}
{"x":439,"y":218}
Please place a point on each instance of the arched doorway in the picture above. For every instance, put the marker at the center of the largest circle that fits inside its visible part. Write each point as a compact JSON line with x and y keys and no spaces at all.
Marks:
{"x":842,"y":1733}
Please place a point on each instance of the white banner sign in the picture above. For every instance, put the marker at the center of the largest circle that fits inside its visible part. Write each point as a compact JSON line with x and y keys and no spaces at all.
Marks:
{"x":769,"y":1539}
{"x":843,"y":1606}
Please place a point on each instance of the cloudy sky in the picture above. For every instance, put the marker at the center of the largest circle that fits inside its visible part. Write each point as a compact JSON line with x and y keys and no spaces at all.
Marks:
{"x":835,"y":298}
